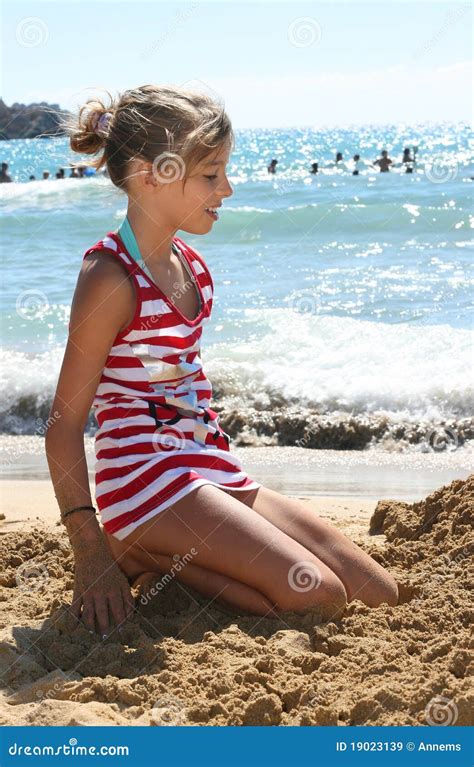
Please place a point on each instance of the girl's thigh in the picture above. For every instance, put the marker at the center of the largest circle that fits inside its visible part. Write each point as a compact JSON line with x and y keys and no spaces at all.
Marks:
{"x":218,"y":532}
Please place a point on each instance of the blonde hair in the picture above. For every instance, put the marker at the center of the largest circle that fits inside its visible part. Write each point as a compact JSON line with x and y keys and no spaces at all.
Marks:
{"x":155,"y":123}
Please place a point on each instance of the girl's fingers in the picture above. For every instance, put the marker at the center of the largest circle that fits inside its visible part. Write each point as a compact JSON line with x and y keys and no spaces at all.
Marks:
{"x":117,"y":608}
{"x":128,"y":601}
{"x":88,"y":614}
{"x":102,"y":614}
{"x":76,"y":606}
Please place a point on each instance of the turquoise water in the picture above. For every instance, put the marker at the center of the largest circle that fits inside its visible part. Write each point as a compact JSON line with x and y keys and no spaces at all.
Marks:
{"x":337,"y":293}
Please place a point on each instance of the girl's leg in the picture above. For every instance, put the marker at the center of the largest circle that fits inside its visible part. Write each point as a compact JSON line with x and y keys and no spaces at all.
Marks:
{"x":362,"y":576}
{"x":144,"y":570}
{"x":219,"y":588}
{"x":226,"y":537}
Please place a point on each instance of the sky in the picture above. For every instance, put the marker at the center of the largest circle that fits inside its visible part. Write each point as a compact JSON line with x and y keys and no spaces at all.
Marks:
{"x":273,"y":64}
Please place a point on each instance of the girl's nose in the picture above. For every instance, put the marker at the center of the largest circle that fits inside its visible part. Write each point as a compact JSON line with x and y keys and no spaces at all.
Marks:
{"x":227,"y":191}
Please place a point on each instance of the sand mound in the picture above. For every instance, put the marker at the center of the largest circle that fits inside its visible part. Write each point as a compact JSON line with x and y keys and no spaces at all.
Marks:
{"x":182,"y":660}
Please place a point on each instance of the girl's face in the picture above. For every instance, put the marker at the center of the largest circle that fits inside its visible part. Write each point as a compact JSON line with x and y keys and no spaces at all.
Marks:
{"x":184,"y":206}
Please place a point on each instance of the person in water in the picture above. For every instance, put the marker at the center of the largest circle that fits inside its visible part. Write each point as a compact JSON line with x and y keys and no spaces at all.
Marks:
{"x":272,"y":167}
{"x":60,"y":173}
{"x":134,"y":353}
{"x":355,"y":164}
{"x":5,"y":178}
{"x":46,"y":175}
{"x":408,"y":160}
{"x":384,"y":162}
{"x":314,"y":167}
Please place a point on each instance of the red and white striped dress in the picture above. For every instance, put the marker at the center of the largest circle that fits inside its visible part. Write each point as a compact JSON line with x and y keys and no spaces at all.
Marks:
{"x":158,"y":439}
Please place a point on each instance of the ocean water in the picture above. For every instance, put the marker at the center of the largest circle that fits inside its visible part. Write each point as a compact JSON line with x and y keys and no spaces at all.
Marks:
{"x":342,"y":312}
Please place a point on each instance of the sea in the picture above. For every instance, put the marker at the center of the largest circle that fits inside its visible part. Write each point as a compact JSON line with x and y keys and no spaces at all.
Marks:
{"x":342,"y":315}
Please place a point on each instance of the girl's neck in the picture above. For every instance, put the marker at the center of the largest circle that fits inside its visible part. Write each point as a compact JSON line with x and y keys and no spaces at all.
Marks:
{"x":154,"y":242}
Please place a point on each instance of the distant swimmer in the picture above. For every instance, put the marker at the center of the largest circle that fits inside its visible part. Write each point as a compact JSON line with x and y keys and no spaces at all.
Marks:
{"x":408,"y":160}
{"x":355,"y":164}
{"x":314,"y":167}
{"x":338,"y":161}
{"x":5,"y":178}
{"x":32,"y":178}
{"x":384,"y":162}
{"x":272,"y":167}
{"x":60,"y":173}
{"x":74,"y":173}
{"x":45,"y":175}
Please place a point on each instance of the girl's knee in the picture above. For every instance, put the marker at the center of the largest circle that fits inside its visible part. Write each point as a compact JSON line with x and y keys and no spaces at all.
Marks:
{"x":385,"y":590}
{"x":309,"y":585}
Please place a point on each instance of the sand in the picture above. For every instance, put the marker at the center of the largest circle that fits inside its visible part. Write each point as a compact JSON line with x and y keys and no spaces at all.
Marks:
{"x":183,"y":660}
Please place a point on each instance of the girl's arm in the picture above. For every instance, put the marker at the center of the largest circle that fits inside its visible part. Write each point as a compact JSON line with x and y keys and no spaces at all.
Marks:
{"x":102,"y":305}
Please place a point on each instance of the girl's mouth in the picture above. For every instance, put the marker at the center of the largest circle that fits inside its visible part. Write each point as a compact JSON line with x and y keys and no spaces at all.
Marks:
{"x":212,"y":212}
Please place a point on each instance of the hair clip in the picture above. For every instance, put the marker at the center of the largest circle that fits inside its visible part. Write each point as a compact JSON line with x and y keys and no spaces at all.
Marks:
{"x":100,"y":121}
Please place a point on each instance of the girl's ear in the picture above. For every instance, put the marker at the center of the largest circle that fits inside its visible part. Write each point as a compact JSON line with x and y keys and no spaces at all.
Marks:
{"x":142,"y":172}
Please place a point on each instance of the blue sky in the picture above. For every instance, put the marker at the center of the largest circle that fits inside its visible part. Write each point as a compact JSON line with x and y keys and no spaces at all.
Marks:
{"x":274,"y":64}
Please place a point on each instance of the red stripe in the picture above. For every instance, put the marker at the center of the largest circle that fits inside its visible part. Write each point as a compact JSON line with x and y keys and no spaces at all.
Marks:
{"x":174,"y":461}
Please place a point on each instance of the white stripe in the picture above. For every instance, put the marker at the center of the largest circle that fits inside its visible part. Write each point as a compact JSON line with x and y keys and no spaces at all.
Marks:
{"x":154,"y":306}
{"x":121,"y":534}
{"x":150,"y":490}
{"x":198,"y":267}
{"x":110,"y":243}
{"x":207,"y":292}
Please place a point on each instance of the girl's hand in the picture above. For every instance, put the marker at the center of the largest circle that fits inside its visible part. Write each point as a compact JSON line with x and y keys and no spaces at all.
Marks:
{"x":102,"y":590}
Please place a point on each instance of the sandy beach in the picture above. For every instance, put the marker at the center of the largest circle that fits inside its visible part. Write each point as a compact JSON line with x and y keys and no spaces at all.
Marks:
{"x":182,"y":660}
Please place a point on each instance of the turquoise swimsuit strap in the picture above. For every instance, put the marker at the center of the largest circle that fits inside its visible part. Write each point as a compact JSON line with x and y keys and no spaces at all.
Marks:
{"x":130,"y":241}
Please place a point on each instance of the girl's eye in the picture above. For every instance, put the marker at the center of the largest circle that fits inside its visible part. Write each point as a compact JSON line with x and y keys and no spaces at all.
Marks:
{"x":211,"y":177}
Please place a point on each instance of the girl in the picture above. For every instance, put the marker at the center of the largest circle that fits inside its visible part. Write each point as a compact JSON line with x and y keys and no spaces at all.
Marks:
{"x":167,"y":484}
